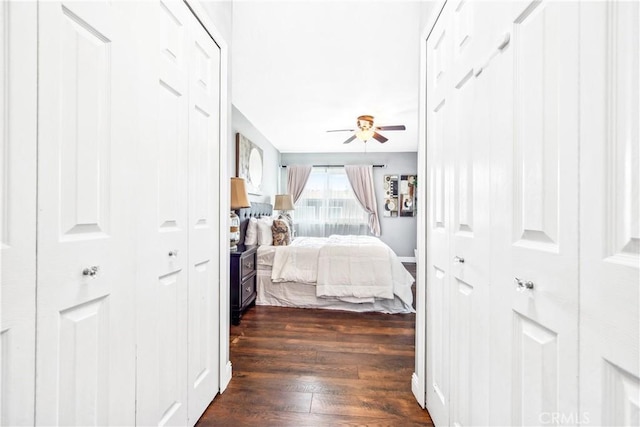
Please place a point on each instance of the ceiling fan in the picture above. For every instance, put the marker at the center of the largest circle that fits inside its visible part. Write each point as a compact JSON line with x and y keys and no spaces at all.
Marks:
{"x":366,"y":130}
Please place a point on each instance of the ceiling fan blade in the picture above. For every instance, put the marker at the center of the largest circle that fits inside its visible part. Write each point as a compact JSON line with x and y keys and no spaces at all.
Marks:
{"x":393,"y":127}
{"x":350,"y":139}
{"x":379,"y":137}
{"x":342,"y":130}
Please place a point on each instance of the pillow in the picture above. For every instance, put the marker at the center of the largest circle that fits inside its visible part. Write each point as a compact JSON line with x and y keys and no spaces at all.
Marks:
{"x":287,"y":218}
{"x":251,"y":235}
{"x":265,"y":237}
{"x":281,"y":235}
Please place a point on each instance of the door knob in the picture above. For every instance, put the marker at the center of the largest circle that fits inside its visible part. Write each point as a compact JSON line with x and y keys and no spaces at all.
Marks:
{"x":173,"y":253}
{"x":91,"y":271}
{"x":522,"y":285}
{"x":458,"y":259}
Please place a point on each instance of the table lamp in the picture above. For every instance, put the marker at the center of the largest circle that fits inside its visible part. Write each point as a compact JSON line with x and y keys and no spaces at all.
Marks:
{"x":239,"y":199}
{"x":284,"y":204}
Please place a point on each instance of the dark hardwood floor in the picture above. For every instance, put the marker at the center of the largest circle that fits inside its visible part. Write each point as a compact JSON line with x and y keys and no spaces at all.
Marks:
{"x":304,"y":367}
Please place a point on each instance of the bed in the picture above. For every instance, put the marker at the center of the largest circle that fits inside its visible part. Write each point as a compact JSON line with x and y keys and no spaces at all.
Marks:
{"x":354,"y":273}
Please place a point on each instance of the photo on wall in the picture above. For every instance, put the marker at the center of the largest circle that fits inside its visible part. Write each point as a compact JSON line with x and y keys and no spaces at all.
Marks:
{"x":408,"y":194}
{"x":390,"y":187}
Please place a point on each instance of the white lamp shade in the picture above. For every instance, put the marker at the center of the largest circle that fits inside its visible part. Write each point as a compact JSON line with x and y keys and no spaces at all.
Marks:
{"x":284,"y":202}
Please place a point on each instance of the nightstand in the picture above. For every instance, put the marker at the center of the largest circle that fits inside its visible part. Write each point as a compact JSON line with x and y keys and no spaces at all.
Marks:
{"x":243,"y":280}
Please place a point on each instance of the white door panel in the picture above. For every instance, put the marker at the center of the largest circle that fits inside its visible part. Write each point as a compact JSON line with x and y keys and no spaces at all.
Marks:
{"x":86,"y":345}
{"x":179,"y":266}
{"x":163,"y":251}
{"x":439,"y":76}
{"x":204,"y":216}
{"x":610,"y":215}
{"x":535,"y":183}
{"x":18,"y":89}
{"x":470,"y":266}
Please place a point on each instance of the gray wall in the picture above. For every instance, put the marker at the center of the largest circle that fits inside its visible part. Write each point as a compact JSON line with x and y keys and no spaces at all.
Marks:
{"x":270,"y":161}
{"x":399,"y":233}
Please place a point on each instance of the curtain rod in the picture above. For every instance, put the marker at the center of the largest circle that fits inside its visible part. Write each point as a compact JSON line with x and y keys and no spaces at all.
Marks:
{"x":336,"y":166}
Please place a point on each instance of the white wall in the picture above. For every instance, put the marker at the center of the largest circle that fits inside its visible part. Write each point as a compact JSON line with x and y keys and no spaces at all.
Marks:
{"x":221,"y":14}
{"x":271,"y":156}
{"x":400,"y":232}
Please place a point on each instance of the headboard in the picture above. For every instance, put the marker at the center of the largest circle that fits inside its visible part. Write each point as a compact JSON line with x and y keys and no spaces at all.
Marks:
{"x":256,"y":210}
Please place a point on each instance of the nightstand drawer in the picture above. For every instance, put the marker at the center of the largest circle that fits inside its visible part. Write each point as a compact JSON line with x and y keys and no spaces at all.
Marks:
{"x":248,"y":265}
{"x":242,"y":281}
{"x":248,"y":289}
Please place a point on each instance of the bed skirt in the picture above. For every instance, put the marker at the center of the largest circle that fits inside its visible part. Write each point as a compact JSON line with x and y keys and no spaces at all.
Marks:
{"x":301,"y":295}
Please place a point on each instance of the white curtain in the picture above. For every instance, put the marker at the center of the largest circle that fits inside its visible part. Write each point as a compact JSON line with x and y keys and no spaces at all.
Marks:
{"x":361,"y":179}
{"x":328,"y":206}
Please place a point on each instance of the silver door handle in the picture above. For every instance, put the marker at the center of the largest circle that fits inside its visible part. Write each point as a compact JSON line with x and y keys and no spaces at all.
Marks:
{"x":91,"y":271}
{"x":521,"y":285}
{"x":458,"y":259}
{"x":173,"y":253}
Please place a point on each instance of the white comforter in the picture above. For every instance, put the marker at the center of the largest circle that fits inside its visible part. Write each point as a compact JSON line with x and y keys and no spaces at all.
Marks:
{"x":352,"y":268}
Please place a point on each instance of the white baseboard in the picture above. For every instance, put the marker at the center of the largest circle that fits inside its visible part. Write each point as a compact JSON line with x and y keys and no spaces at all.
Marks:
{"x":418,"y":393}
{"x":407,"y":258}
{"x":225,"y":377}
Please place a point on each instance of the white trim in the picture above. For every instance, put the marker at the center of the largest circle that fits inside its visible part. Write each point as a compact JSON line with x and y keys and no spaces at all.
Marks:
{"x":407,"y":259}
{"x":225,"y":376}
{"x":418,"y":379}
{"x":417,"y":387}
{"x":225,"y":370}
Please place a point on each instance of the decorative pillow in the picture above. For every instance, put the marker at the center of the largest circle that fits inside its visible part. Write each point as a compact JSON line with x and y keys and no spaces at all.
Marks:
{"x":281,"y":235}
{"x":265,"y":236}
{"x":287,"y":218}
{"x":251,"y":235}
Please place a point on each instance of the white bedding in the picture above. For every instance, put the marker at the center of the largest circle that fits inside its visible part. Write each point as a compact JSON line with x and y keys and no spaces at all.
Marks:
{"x":355,"y":266}
{"x":359,"y":270}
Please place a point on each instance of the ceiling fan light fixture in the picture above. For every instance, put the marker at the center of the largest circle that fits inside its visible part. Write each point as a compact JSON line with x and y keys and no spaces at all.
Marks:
{"x":366,"y":130}
{"x":365,"y":122}
{"x":364,"y":134}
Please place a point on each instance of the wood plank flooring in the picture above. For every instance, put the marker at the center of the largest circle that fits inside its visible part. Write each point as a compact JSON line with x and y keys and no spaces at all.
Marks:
{"x":304,"y":367}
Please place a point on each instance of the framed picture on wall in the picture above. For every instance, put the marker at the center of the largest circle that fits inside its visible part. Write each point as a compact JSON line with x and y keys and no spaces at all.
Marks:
{"x":408,"y":195}
{"x":390,"y":196}
{"x":249,"y":164}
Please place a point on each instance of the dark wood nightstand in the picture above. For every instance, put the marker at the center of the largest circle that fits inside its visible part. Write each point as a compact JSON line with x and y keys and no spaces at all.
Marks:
{"x":243,"y":280}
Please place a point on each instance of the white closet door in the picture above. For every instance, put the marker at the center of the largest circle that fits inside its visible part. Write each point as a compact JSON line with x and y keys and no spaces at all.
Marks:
{"x":18,"y":89}
{"x":204,"y":235}
{"x":86,"y":216}
{"x":610,"y":217}
{"x":439,"y":117}
{"x":535,"y":206}
{"x":163,"y":246}
{"x":470,"y":223}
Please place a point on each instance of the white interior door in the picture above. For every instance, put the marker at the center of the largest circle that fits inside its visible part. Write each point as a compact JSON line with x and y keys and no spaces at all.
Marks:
{"x":18,"y":92}
{"x":610,"y":217}
{"x":204,"y":217}
{"x":439,"y":116}
{"x":163,"y":248}
{"x":470,"y":224}
{"x":535,"y":232}
{"x":86,"y":215}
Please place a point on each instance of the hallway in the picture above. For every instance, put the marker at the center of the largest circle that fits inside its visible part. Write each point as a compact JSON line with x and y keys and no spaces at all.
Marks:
{"x":307,"y":367}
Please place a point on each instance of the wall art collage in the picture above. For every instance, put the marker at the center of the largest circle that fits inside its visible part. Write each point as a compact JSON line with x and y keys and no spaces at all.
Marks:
{"x":400,"y":193}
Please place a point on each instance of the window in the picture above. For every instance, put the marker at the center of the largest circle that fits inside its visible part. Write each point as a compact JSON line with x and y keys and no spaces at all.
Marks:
{"x":328,"y":206}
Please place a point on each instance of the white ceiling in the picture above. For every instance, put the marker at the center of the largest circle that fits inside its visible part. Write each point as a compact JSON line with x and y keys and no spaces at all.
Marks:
{"x":302,"y":67}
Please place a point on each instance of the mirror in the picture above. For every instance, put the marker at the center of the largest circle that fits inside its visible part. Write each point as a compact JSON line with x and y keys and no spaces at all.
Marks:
{"x":255,"y":167}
